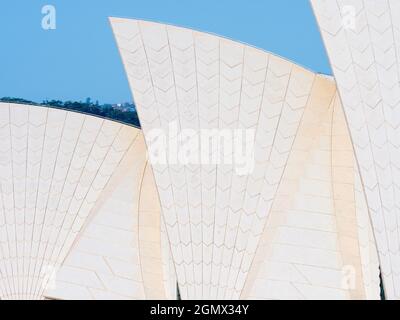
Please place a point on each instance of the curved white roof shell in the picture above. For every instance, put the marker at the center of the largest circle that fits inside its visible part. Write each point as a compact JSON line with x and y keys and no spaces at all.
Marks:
{"x":79,"y":214}
{"x":305,"y":207}
{"x":363,"y":44}
{"x":293,"y":226}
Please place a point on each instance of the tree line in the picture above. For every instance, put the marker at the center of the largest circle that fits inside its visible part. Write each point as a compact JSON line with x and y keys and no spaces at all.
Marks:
{"x":107,"y":110}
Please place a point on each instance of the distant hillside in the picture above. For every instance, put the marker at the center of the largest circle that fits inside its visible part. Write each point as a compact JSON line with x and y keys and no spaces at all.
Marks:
{"x":124,"y":112}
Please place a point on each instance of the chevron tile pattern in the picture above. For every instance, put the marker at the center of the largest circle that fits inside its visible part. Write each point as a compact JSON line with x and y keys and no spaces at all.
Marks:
{"x":58,"y":170}
{"x":214,"y":217}
{"x":363,"y":44}
{"x":118,"y":254}
{"x":317,"y":235}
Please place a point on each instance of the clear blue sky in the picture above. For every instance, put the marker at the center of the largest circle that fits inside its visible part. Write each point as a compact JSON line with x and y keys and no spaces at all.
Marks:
{"x":80,"y":59}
